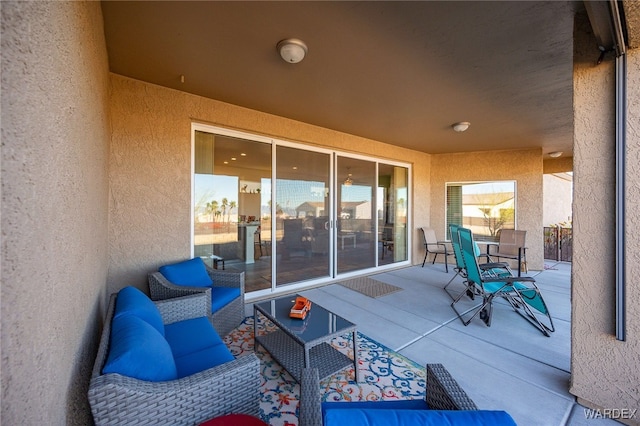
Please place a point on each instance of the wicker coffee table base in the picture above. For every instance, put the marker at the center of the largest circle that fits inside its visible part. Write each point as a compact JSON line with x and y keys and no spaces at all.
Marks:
{"x":293,"y":355}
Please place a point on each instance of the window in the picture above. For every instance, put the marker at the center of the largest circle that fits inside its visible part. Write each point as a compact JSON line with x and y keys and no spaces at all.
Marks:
{"x":483,"y":207}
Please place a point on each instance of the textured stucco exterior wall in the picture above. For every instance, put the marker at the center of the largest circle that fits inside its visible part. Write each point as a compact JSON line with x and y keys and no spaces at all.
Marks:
{"x":150,"y":170}
{"x":605,"y":371}
{"x":525,"y":167}
{"x":55,"y":135}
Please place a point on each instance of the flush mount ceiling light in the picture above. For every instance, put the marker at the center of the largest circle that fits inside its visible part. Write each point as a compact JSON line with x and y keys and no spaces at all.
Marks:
{"x":555,"y":154}
{"x":461,"y":126}
{"x":292,"y":50}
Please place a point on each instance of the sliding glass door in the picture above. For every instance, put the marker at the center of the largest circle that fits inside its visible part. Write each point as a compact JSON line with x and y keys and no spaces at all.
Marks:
{"x":231,"y":199}
{"x":302,"y":215}
{"x":392,"y":213}
{"x":293,"y":215}
{"x":356,"y":227}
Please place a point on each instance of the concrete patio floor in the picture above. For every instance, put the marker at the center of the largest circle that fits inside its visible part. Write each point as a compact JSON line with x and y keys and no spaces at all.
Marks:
{"x":509,"y":366}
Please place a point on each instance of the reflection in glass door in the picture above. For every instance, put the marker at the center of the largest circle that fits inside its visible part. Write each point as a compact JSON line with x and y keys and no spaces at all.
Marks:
{"x":232,"y":186}
{"x":392,"y":202}
{"x":355,"y":231}
{"x":302,"y":215}
{"x":317,"y":215}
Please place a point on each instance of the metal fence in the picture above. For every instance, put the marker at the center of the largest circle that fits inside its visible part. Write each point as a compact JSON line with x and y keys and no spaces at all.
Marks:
{"x":558,"y":243}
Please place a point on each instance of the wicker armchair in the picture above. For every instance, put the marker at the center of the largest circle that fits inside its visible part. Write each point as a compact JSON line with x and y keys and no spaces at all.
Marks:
{"x":442,"y":393}
{"x":233,"y":387}
{"x":225,"y":319}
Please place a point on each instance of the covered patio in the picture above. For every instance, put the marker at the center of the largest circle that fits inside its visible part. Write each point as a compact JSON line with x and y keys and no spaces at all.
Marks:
{"x":509,"y":366}
{"x":97,"y":171}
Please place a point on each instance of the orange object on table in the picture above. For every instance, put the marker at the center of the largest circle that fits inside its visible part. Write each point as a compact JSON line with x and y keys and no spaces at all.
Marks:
{"x":300,"y":308}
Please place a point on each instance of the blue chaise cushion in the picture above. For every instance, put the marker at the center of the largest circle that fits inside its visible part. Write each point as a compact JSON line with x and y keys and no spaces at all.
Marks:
{"x":221,"y":296}
{"x":131,"y":301}
{"x":192,"y":273}
{"x":384,"y":417}
{"x":138,"y":350}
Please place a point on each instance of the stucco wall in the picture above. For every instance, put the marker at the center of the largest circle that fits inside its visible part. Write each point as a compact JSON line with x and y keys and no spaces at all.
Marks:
{"x":150,"y":171}
{"x":605,"y":371}
{"x":525,"y":167}
{"x":55,"y":135}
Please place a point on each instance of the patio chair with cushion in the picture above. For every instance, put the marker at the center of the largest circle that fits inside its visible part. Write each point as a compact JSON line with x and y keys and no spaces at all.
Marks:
{"x":511,"y":245}
{"x":445,"y":403}
{"x":521,"y":292}
{"x":162,"y":363}
{"x":432,"y":245}
{"x":489,"y":268}
{"x":224,"y":288}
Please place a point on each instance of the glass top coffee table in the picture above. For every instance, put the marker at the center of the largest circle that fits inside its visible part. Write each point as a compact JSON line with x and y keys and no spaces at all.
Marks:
{"x":296,"y":343}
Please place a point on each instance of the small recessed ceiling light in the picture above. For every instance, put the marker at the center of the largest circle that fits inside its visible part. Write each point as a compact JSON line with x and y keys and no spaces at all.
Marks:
{"x":233,"y":158}
{"x":242,"y":154}
{"x":225,"y":162}
{"x":295,"y":167}
{"x":461,"y":126}
{"x":555,"y":154}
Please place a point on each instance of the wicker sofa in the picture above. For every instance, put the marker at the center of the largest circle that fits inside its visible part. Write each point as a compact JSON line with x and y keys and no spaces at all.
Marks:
{"x":145,"y":383}
{"x":225,"y":290}
{"x":445,"y":403}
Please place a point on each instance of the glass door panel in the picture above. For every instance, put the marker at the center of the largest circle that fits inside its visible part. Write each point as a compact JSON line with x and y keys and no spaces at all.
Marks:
{"x":392,"y":213}
{"x":355,"y":232}
{"x":302,"y":215}
{"x":230,"y":175}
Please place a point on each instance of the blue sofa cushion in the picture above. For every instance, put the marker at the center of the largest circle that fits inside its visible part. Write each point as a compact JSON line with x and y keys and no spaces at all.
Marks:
{"x":131,"y":301}
{"x":399,"y":404}
{"x":195,"y":362}
{"x":191,"y":273}
{"x":221,"y":296}
{"x":382,"y":417}
{"x":192,"y":335}
{"x":138,"y":350}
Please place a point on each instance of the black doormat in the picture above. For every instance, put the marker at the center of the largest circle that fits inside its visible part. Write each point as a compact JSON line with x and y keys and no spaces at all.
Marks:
{"x":370,"y":287}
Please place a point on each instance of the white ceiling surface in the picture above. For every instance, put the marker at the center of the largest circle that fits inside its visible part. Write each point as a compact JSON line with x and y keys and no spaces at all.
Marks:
{"x":397,"y":72}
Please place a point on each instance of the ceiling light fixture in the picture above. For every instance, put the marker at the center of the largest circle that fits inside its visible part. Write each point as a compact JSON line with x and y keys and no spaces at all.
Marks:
{"x":292,"y":50}
{"x":555,"y":154}
{"x":348,"y":181}
{"x":461,"y":126}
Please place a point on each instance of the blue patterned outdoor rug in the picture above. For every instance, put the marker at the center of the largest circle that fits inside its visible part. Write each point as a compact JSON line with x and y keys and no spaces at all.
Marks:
{"x":384,"y":375}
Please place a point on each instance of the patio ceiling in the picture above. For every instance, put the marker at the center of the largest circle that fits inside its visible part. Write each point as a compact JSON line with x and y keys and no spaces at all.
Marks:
{"x":397,"y":72}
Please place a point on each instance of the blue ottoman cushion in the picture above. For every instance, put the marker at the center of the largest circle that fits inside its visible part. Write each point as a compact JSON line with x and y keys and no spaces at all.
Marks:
{"x":384,"y":417}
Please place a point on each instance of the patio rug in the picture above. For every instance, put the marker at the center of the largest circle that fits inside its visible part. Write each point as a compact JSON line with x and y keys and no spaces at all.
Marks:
{"x":370,"y":287}
{"x":384,"y":375}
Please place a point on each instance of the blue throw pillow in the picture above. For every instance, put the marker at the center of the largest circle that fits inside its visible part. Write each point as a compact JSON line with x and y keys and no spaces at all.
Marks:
{"x":191,"y":273}
{"x":131,"y":301}
{"x":137,"y":350}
